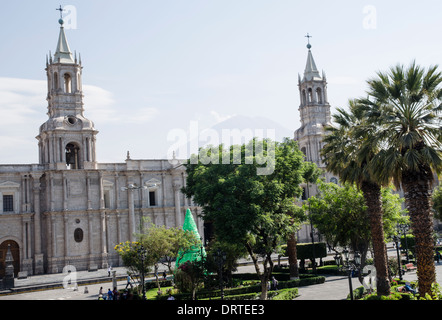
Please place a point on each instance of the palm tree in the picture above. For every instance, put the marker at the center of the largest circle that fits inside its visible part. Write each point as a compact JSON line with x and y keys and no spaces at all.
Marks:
{"x":405,"y":104}
{"x":347,"y":155}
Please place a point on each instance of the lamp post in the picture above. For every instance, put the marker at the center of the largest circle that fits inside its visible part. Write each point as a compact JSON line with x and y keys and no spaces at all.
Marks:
{"x":404,"y":228}
{"x":131,"y":188}
{"x":396,"y":240}
{"x":220,"y":260}
{"x":349,"y":266}
{"x":142,"y":254}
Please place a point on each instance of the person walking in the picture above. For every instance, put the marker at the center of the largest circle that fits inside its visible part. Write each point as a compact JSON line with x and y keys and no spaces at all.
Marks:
{"x":275,"y":283}
{"x":129,"y":282}
{"x":110,"y":296}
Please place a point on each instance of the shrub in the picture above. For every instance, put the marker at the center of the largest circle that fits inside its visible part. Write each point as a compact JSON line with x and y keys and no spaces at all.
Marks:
{"x":286,"y":294}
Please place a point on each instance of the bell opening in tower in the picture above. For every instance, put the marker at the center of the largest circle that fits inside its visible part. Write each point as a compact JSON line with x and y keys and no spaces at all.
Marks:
{"x":72,"y":156}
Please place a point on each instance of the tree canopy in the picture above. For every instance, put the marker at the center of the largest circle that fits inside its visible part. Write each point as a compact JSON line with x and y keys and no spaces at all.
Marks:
{"x":245,"y":206}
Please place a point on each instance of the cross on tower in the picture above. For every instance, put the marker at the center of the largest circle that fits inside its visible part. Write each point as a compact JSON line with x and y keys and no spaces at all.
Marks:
{"x":61,"y":12}
{"x":308,"y":39}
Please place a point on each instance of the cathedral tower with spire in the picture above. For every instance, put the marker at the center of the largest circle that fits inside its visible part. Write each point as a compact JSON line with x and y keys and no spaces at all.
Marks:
{"x":314,"y":109}
{"x":67,"y":139}
{"x":315,"y":115}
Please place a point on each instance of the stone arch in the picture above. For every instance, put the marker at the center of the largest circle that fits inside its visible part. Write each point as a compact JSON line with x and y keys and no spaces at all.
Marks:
{"x":319,"y":95}
{"x":73,"y":156}
{"x":310,"y":95}
{"x":15,"y":251}
{"x":67,"y":82}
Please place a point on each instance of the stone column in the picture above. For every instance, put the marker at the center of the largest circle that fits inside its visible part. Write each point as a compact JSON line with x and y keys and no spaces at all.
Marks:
{"x":38,"y":256}
{"x":66,"y":235}
{"x":178,"y":218}
{"x":130,"y":194}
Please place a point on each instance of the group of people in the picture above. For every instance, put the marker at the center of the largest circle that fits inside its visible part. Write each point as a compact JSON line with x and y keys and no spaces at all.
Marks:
{"x":114,"y":294}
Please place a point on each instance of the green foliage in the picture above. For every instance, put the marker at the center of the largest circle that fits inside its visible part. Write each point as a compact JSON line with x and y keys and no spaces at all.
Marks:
{"x":305,"y":250}
{"x":130,"y":253}
{"x":340,"y":214}
{"x":259,"y":208}
{"x":287,"y":290}
{"x":189,"y":275}
{"x":166,"y":243}
{"x":437,"y":202}
{"x":234,"y":191}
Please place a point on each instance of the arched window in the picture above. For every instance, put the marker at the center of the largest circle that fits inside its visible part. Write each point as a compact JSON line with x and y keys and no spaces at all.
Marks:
{"x":67,"y":83}
{"x":78,"y":235}
{"x":319,"y":95}
{"x":310,"y":95}
{"x":72,"y":156}
{"x":304,"y":151}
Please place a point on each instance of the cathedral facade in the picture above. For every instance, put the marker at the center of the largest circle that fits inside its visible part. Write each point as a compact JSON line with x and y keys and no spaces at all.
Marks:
{"x":69,"y":209}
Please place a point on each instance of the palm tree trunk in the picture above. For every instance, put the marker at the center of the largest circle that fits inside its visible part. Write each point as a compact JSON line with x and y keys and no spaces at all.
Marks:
{"x":417,"y":189}
{"x":372,"y":195}
{"x":293,"y":259}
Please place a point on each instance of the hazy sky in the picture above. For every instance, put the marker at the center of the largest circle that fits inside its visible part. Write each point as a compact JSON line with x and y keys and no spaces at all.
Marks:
{"x":155,"y":66}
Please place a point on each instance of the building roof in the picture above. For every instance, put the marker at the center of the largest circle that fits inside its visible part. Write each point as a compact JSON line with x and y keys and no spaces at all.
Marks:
{"x":311,"y":72}
{"x":63,"y":53}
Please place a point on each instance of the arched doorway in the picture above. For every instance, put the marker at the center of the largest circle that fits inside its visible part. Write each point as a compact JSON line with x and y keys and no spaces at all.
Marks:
{"x":73,"y":156}
{"x":15,"y":251}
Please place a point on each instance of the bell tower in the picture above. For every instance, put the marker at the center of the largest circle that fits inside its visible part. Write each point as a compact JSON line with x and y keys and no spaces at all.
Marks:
{"x":314,"y":110}
{"x":67,"y":139}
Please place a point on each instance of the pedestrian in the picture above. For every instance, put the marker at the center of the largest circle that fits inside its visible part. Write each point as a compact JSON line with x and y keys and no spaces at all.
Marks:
{"x":115,"y":293}
{"x":100,"y":291}
{"x":109,"y":294}
{"x":109,"y":271}
{"x":275,"y":283}
{"x":170,"y":297}
{"x":100,"y":297}
{"x":128,"y":282}
{"x":164,"y":275}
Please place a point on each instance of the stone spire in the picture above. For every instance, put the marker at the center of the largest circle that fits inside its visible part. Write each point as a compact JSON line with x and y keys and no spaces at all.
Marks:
{"x":311,"y":72}
{"x":63,"y":53}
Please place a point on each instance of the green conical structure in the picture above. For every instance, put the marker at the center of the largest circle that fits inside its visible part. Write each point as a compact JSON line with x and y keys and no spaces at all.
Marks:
{"x":197,"y":251}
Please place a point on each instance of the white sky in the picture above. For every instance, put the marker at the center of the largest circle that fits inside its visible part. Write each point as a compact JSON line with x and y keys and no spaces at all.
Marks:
{"x":152,"y":67}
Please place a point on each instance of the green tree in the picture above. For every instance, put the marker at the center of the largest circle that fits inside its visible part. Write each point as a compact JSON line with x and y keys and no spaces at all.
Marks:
{"x":437,"y":202}
{"x":404,"y":103}
{"x":244,"y":205}
{"x":131,"y":254}
{"x":164,"y":244}
{"x":347,"y":154}
{"x":340,"y":214}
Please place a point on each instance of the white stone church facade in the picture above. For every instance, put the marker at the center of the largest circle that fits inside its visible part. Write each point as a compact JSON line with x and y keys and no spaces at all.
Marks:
{"x":69,"y":209}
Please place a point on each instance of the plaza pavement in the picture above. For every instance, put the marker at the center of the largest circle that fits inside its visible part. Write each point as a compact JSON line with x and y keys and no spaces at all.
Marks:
{"x":50,"y":287}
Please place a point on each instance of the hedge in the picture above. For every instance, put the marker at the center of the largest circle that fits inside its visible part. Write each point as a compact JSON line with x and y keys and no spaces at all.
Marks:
{"x":248,"y":292}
